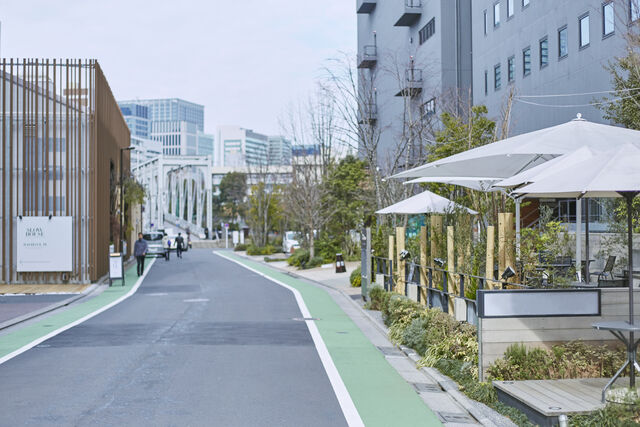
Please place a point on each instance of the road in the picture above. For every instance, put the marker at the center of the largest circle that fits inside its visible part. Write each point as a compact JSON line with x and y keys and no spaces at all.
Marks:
{"x":203,"y":342}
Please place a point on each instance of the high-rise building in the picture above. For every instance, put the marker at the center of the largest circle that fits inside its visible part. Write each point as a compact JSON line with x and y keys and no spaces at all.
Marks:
{"x":137,"y":118}
{"x":175,"y":110}
{"x":239,"y":147}
{"x":279,"y":150}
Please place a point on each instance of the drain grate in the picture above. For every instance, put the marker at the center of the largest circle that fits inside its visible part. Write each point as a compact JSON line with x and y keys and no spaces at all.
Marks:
{"x":427,"y":388}
{"x":391,"y":352}
{"x":455,"y":417}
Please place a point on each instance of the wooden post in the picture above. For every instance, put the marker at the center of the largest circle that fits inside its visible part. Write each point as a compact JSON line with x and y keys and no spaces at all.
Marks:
{"x":424,"y":261}
{"x":491,"y":242}
{"x":452,"y":285}
{"x":501,"y":244}
{"x":400,"y":231}
{"x":510,"y":243}
{"x":392,"y":251}
{"x":436,"y":233}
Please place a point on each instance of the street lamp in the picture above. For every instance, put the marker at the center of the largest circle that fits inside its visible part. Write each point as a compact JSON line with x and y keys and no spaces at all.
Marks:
{"x":122,"y":150}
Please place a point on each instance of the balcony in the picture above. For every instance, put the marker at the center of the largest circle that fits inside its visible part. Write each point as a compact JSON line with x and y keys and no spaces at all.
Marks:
{"x":369,"y":57}
{"x":366,"y":6}
{"x":369,"y":114}
{"x":412,"y":83}
{"x":411,"y":13}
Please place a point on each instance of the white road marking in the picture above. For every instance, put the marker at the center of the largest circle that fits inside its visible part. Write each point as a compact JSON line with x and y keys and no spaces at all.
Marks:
{"x":196,"y":300}
{"x":157,"y":294}
{"x":79,"y":321}
{"x":342,"y":394}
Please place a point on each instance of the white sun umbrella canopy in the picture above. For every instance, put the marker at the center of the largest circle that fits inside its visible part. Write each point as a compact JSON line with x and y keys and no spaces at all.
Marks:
{"x":424,"y":203}
{"x":614,"y":173}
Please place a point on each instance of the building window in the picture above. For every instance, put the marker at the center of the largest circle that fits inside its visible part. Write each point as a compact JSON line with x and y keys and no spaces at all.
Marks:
{"x":486,"y":82}
{"x":608,"y":19}
{"x":511,"y":68}
{"x":525,"y":3}
{"x":526,"y":61}
{"x":634,"y":10}
{"x":486,"y":22}
{"x":427,"y":31}
{"x":510,"y":8}
{"x":429,"y":107}
{"x":583,"y":25}
{"x":496,"y":14}
{"x":544,"y":52}
{"x":563,"y":42}
{"x":497,"y":79}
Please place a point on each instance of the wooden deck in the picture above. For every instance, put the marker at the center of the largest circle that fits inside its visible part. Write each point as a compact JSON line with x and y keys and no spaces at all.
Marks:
{"x":544,"y":400}
{"x":42,"y":289}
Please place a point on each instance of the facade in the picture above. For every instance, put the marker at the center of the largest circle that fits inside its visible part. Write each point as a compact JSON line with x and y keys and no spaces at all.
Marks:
{"x":240,"y":147}
{"x":145,"y":150}
{"x":410,"y":54}
{"x":279,"y":150}
{"x":62,"y":139}
{"x":137,"y":118}
{"x":538,"y":48}
{"x":174,"y":110}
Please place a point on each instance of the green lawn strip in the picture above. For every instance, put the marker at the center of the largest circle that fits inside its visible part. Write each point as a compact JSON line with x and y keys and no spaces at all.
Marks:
{"x":381,"y":395}
{"x":23,"y":336}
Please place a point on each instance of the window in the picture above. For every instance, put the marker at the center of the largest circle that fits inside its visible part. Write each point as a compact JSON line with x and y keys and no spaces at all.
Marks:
{"x":497,"y":79}
{"x":634,"y":10}
{"x":583,"y":25}
{"x":511,"y":68}
{"x":526,"y":61}
{"x":486,"y":82}
{"x":544,"y":52}
{"x":563,"y":45}
{"x":486,"y":22}
{"x":608,"y":20}
{"x":510,"y":8}
{"x":427,"y":31}
{"x":525,"y":3}
{"x":496,"y":14}
{"x":429,"y":107}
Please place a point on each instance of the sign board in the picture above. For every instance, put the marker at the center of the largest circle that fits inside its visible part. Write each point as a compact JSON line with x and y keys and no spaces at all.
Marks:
{"x":116,"y":270}
{"x":235,"y":237}
{"x":45,"y":243}
{"x":538,"y":303}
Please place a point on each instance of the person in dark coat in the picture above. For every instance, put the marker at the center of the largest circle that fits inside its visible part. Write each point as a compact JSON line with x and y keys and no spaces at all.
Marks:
{"x":179,"y":245}
{"x":140,"y":249}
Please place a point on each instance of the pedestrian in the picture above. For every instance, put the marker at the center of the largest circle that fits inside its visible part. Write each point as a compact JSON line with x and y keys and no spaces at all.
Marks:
{"x":140,"y":248}
{"x":179,"y":245}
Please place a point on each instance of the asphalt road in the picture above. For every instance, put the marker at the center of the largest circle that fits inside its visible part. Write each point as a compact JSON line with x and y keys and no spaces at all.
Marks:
{"x":203,"y":342}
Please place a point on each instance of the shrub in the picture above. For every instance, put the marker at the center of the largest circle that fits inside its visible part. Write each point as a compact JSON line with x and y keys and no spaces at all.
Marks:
{"x":261,"y":250}
{"x":314,"y":262}
{"x":571,"y":360}
{"x":356,"y":278}
{"x":611,"y":415}
{"x":298,"y":258}
{"x":378,"y":298}
{"x":240,"y":247}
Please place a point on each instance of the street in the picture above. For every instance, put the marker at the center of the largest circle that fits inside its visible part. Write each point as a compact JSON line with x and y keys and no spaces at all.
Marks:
{"x":202,"y":342}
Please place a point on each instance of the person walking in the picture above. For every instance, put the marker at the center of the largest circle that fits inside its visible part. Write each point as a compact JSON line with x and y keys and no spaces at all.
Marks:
{"x":140,"y":249}
{"x":179,"y":245}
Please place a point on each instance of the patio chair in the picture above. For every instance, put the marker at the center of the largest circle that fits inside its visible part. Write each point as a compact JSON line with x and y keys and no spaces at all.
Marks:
{"x":607,"y":271}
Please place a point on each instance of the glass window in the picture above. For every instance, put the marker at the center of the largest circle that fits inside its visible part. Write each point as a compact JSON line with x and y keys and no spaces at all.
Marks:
{"x":511,"y":68}
{"x":583,"y":24}
{"x":486,"y":82}
{"x":497,"y":78}
{"x":486,"y":22}
{"x":525,"y":3}
{"x":544,"y":52}
{"x":634,"y":10}
{"x":509,"y":8}
{"x":496,"y":14}
{"x":608,"y":20}
{"x":563,"y":45}
{"x":526,"y":61}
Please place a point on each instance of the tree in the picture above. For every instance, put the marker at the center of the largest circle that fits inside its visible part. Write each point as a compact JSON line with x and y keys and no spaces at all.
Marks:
{"x":263,"y":212}
{"x":233,"y":190}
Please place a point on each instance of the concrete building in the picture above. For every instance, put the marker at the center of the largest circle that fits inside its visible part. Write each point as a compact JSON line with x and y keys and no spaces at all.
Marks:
{"x":137,"y":118}
{"x":239,"y":147}
{"x":539,"y":48}
{"x":279,"y":150}
{"x":174,"y":110}
{"x":410,"y":53}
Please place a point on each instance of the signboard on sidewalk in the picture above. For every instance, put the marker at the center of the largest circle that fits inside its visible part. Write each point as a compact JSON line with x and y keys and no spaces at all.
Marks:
{"x":116,"y":269}
{"x":45,"y":243}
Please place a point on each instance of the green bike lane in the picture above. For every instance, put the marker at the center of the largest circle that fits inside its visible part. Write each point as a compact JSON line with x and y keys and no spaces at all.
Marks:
{"x":381,"y":396}
{"x":23,"y":338}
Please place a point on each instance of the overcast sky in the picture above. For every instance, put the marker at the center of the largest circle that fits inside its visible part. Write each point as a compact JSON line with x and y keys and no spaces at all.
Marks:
{"x":244,"y":60}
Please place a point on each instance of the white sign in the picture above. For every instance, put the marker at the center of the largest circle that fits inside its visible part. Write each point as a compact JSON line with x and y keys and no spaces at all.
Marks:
{"x":538,"y":303}
{"x":115,"y":266}
{"x":45,"y":244}
{"x":235,"y":237}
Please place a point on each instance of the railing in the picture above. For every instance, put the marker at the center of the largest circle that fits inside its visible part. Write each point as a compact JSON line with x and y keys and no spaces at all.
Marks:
{"x":384,"y":267}
{"x":369,"y":52}
{"x":413,"y":3}
{"x":413,"y":75}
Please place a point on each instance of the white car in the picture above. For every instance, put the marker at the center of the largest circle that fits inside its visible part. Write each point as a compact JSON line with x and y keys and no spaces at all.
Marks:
{"x":290,"y":241}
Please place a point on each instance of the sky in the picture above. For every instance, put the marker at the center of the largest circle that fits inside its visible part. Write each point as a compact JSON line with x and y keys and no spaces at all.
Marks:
{"x":244,"y":60}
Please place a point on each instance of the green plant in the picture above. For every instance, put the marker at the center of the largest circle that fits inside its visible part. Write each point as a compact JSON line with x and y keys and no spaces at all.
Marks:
{"x":240,"y":247}
{"x":356,"y":277}
{"x":625,"y":415}
{"x":314,"y":262}
{"x":261,"y":250}
{"x":298,"y":258}
{"x":378,"y":298}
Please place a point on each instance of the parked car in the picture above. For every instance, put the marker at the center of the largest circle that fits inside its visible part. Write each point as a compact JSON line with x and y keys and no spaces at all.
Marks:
{"x":155,"y":244}
{"x":290,"y":241}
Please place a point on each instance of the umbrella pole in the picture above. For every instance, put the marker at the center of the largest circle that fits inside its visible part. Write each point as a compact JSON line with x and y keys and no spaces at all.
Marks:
{"x":632,"y":368}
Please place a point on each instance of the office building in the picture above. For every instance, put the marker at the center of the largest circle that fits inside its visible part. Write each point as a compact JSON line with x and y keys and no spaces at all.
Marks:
{"x":279,"y":150}
{"x":137,"y":118}
{"x":239,"y":147}
{"x":174,"y":110}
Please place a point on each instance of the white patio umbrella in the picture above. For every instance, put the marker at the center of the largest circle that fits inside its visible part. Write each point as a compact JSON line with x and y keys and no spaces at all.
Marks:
{"x":423,"y":203}
{"x":615,"y":173}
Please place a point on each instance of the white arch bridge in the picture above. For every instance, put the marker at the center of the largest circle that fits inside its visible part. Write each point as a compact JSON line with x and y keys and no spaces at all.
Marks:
{"x":178,"y":191}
